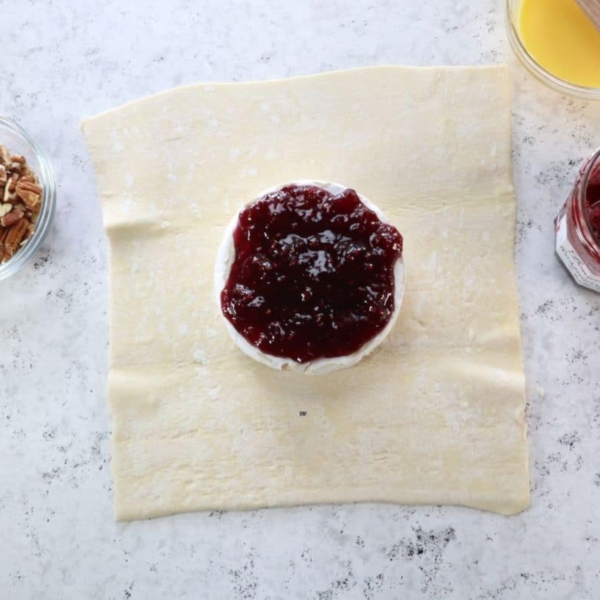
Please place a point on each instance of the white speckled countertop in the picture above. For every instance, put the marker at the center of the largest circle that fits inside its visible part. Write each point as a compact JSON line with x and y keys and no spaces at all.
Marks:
{"x":58,"y":538}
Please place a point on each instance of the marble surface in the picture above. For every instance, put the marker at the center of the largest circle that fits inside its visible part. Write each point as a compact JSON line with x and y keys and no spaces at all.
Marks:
{"x":58,"y":539}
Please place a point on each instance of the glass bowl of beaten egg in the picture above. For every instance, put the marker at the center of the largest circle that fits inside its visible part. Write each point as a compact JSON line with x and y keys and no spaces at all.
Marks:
{"x":557,"y":42}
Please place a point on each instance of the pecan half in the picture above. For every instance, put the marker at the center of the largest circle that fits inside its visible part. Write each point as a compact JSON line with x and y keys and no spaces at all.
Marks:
{"x":15,"y":236}
{"x":9,"y":219}
{"x":30,"y":193}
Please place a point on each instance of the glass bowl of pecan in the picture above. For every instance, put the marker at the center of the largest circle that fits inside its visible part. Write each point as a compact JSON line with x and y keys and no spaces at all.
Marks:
{"x":27,"y":197}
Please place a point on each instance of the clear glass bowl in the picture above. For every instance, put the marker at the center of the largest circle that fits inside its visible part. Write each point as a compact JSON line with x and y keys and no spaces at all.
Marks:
{"x":513,"y":8}
{"x":18,"y":141}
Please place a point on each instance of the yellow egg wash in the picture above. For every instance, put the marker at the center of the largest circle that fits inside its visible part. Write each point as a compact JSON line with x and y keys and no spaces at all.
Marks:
{"x":561,"y":38}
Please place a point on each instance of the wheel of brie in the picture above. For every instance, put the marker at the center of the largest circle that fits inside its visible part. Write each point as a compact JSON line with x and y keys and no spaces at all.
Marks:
{"x":309,"y":277}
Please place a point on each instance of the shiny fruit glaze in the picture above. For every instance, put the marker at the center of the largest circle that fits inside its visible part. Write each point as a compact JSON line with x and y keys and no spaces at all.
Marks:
{"x":593,"y":200}
{"x":313,"y":274}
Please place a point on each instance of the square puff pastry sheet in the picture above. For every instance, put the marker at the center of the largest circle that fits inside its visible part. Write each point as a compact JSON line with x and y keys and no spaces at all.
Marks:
{"x":435,"y":416}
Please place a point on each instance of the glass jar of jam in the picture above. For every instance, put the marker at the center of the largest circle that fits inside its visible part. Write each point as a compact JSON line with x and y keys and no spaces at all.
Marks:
{"x":578,"y":227}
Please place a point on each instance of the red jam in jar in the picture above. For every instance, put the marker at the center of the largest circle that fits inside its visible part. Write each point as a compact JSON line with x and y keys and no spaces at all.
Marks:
{"x":313,"y":274}
{"x":592,"y":196}
{"x":578,"y":227}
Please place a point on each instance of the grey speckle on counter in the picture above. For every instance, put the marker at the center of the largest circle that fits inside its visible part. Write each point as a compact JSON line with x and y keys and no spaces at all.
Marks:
{"x":58,"y":539}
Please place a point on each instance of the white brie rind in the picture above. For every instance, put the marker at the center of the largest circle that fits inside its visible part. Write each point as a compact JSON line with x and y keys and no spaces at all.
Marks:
{"x":225,"y":258}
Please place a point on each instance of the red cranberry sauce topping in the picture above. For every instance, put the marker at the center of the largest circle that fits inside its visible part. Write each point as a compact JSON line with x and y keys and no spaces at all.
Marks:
{"x":593,"y":199}
{"x":313,"y":275}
